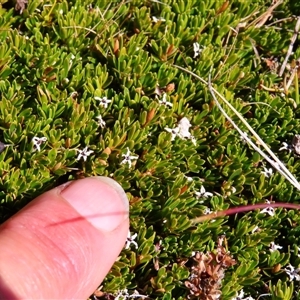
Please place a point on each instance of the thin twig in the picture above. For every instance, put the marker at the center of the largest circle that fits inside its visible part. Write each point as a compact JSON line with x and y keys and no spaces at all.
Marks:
{"x":230,"y":50}
{"x":293,"y":73}
{"x":279,"y":21}
{"x":297,"y":88}
{"x":273,"y":163}
{"x":291,"y":46}
{"x":112,"y":20}
{"x":277,"y":164}
{"x":81,"y":27}
{"x":159,"y":2}
{"x":291,"y":79}
{"x":243,"y":208}
{"x":262,"y":103}
{"x":262,"y":19}
{"x":255,"y":52}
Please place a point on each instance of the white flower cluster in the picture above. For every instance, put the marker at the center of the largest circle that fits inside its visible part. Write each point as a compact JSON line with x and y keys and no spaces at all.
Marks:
{"x":37,"y":142}
{"x":182,"y":130}
{"x":241,"y":296}
{"x":292,"y":272}
{"x":124,"y":295}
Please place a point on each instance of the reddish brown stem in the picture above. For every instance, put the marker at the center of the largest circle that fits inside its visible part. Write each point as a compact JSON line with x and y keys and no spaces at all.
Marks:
{"x":239,"y":209}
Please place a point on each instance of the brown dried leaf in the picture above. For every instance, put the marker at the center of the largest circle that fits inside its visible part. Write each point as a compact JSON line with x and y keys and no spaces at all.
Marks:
{"x":223,"y":7}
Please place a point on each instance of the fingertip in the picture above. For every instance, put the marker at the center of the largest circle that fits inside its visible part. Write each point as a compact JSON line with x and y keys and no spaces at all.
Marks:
{"x":71,"y":235}
{"x":101,"y":200}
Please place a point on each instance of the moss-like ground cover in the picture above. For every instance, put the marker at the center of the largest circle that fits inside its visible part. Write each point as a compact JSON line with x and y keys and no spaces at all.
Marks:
{"x":99,"y":83}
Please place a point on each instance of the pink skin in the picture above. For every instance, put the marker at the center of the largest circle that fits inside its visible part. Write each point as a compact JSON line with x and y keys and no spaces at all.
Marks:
{"x":62,"y":245}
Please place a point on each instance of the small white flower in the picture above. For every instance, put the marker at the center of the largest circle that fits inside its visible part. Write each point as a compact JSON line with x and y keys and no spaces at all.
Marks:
{"x":124,"y":295}
{"x":184,"y":126}
{"x":189,"y":179}
{"x":61,"y":11}
{"x":254,"y":229}
{"x":292,"y":272}
{"x":130,"y":240}
{"x":84,"y":153}
{"x":203,"y":193}
{"x":165,"y":102}
{"x":267,"y":172}
{"x":128,"y":158}
{"x":155,"y":19}
{"x":207,"y":211}
{"x":197,"y":49}
{"x":101,"y":122}
{"x":136,"y":294}
{"x":269,"y":210}
{"x":37,"y":142}
{"x":274,"y":247}
{"x":173,"y":131}
{"x":103,"y":101}
{"x":285,"y":146}
{"x":121,"y":295}
{"x":241,"y":296}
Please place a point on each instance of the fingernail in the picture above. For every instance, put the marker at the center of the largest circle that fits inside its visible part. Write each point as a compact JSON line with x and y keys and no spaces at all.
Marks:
{"x":101,"y":200}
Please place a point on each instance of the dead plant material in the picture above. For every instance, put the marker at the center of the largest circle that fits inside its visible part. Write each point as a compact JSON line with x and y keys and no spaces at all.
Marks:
{"x":267,"y":15}
{"x":291,"y":46}
{"x":21,"y":5}
{"x":207,"y":273}
{"x":294,"y":69}
{"x":170,"y":87}
{"x":224,"y":6}
{"x":116,"y":47}
{"x":272,"y":64}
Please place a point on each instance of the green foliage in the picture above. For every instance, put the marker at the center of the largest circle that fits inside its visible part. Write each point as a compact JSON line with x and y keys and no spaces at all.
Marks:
{"x":282,"y":291}
{"x":56,"y":58}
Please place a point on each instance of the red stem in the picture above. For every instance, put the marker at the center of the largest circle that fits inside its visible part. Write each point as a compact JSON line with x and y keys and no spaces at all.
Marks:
{"x":239,"y":209}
